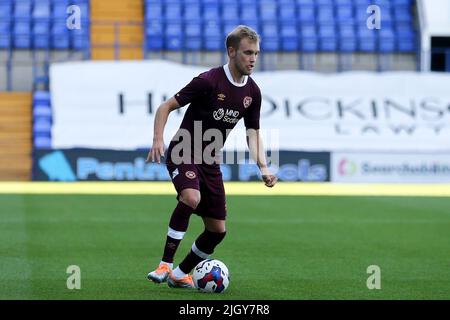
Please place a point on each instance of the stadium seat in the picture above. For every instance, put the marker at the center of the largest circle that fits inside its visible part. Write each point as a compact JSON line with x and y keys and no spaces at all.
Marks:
{"x":41,"y":10}
{"x":42,"y":124}
{"x":230,"y":12}
{"x":154,"y":35}
{"x":5,"y":33}
{"x":289,"y":36}
{"x":308,"y":38}
{"x":41,"y":35}
{"x":193,"y":36}
{"x":192,"y":12}
{"x":172,"y":10}
{"x":41,"y":98}
{"x":249,"y":12}
{"x":60,"y":35}
{"x":80,"y":39}
{"x":347,"y":41}
{"x":387,"y":40}
{"x":212,"y":38}
{"x":367,"y":40}
{"x":6,"y":9}
{"x":42,"y":141}
{"x":22,"y":10}
{"x":22,"y":33}
{"x":287,"y":12}
{"x":267,"y":10}
{"x":321,"y":25}
{"x":306,"y":14}
{"x":173,"y":36}
{"x":210,"y":11}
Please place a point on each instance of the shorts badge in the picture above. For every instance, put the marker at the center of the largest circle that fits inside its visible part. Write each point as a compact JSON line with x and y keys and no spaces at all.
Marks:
{"x":190,"y":174}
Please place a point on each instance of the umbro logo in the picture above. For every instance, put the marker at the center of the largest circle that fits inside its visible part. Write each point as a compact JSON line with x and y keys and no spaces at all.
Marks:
{"x":221,"y":97}
{"x":175,"y":173}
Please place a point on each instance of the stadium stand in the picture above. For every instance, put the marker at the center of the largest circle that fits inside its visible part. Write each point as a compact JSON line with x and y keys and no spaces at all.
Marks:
{"x":15,"y":136}
{"x":42,"y":120}
{"x":287,"y":25}
{"x":33,"y":24}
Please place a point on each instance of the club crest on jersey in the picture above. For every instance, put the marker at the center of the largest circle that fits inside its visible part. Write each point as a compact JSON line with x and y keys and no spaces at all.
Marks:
{"x":221,"y":97}
{"x":247,"y":101}
{"x":190,"y":174}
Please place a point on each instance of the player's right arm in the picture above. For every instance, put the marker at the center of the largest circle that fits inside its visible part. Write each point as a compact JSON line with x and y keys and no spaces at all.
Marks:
{"x":161,"y":116}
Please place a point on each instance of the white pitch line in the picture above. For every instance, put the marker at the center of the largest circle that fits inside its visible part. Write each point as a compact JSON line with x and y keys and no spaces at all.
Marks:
{"x":232,"y":188}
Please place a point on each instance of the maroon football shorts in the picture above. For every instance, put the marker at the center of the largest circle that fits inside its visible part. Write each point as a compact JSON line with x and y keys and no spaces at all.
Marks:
{"x":206,"y":179}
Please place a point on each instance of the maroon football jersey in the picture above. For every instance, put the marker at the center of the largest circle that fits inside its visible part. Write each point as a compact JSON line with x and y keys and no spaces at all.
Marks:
{"x":217,"y":102}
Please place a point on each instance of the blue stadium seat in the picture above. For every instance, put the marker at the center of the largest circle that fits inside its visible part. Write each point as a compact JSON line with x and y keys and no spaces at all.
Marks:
{"x":270,"y":29}
{"x":325,"y":14}
{"x":154,"y":32}
{"x":327,"y":38}
{"x":309,"y":41}
{"x":6,"y":9}
{"x":306,"y":2}
{"x":344,"y":2}
{"x":229,"y":25}
{"x":306,"y":14}
{"x":41,"y":10}
{"x":80,"y":39}
{"x":22,"y":33}
{"x":347,"y":41}
{"x":153,"y":11}
{"x":172,"y":10}
{"x":59,"y":10}
{"x":407,"y":44}
{"x":41,"y":34}
{"x":22,"y":10}
{"x":173,"y":36}
{"x":268,"y":10}
{"x":387,"y":40}
{"x":42,"y":141}
{"x":249,"y":12}
{"x":192,"y":11}
{"x":231,"y":12}
{"x":193,"y":36}
{"x":42,"y":125}
{"x":344,"y":13}
{"x":41,"y":98}
{"x":5,"y":32}
{"x":42,"y":111}
{"x":402,"y":14}
{"x":211,"y":11}
{"x":212,"y":38}
{"x":60,"y":35}
{"x":289,"y":36}
{"x":328,"y":3}
{"x":287,"y":12}
{"x":251,"y":22}
{"x":270,"y":44}
{"x":367,"y":40}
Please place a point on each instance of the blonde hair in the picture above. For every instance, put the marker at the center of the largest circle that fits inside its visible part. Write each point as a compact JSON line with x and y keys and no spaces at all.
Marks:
{"x":240,"y":32}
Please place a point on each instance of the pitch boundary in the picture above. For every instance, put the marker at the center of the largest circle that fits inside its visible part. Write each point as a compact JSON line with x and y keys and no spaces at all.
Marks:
{"x":232,"y":188}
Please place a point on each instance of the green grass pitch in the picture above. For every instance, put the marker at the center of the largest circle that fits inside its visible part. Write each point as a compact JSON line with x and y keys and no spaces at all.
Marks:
{"x":281,"y":247}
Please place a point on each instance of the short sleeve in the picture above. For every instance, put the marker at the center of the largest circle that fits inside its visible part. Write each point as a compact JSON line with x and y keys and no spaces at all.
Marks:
{"x":251,"y":116}
{"x":198,"y":88}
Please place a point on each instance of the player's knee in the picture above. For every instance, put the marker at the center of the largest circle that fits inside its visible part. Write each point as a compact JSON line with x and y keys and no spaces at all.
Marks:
{"x":191,"y":199}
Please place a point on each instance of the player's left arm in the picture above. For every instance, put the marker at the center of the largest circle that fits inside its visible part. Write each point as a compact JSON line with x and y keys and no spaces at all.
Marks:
{"x":258,"y":154}
{"x":254,"y":141}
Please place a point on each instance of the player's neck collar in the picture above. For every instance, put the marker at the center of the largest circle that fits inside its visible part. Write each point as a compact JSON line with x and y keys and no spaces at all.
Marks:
{"x":226,"y":68}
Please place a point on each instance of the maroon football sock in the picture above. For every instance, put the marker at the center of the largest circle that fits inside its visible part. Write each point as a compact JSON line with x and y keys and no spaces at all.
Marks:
{"x":201,"y":249}
{"x":178,"y":225}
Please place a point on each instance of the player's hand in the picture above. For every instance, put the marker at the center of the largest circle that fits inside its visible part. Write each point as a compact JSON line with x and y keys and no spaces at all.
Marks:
{"x":269,"y":180}
{"x":156,"y":152}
